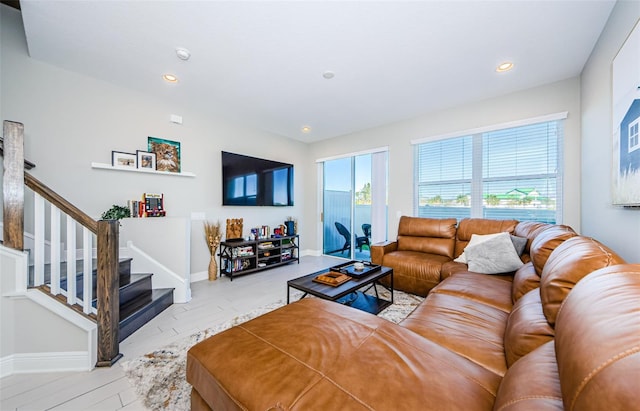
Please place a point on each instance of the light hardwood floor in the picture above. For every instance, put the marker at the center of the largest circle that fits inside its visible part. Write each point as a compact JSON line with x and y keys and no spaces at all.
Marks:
{"x":107,"y":388}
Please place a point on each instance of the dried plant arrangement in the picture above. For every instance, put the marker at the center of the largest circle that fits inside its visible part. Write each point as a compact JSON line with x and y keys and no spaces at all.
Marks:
{"x":213,"y":235}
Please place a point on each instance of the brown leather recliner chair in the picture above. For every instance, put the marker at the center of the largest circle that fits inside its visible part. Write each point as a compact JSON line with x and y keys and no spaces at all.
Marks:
{"x":423,"y":254}
{"x":423,"y":245}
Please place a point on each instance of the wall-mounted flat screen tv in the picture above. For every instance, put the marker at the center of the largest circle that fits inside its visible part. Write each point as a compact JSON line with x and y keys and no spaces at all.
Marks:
{"x":251,"y":181}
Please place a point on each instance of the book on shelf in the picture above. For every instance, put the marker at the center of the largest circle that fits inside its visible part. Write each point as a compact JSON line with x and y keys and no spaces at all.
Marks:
{"x":242,"y":251}
{"x":237,"y":265}
{"x":152,"y":205}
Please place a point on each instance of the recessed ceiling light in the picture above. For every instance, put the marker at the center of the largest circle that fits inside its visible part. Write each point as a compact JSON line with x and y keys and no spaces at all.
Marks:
{"x":170,"y":78}
{"x":506,"y":66}
{"x":306,"y":129}
{"x":328,"y":75}
{"x":183,"y":54}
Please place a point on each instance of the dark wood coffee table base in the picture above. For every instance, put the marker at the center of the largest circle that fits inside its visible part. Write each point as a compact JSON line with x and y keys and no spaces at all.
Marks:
{"x":351,"y":293}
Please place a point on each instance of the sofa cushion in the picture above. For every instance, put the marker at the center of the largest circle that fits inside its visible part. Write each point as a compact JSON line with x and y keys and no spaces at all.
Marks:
{"x":569,"y":263}
{"x":597,"y":344}
{"x":524,"y":280}
{"x":296,"y":358}
{"x":413,"y":271}
{"x":546,"y":241}
{"x":527,"y":327}
{"x":469,"y":328}
{"x":451,"y":267}
{"x":494,"y":256}
{"x":481,"y":226}
{"x":427,"y":227}
{"x":490,"y":290}
{"x":532,"y":383}
{"x":427,"y":235}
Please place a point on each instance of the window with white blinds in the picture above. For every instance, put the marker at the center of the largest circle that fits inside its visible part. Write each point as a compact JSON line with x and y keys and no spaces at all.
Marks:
{"x":510,"y":173}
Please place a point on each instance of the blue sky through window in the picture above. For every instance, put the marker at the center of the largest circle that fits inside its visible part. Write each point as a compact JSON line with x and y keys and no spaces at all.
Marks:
{"x":337,"y":173}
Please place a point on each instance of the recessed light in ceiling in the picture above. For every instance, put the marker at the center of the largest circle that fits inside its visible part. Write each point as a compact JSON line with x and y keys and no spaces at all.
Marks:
{"x":306,"y":129}
{"x":170,"y":78}
{"x":183,"y":54}
{"x":328,"y":75}
{"x":506,"y":66}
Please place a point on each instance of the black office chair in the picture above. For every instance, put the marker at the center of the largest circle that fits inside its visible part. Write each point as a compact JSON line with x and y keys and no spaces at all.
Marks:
{"x":362,"y":241}
{"x":347,"y":237}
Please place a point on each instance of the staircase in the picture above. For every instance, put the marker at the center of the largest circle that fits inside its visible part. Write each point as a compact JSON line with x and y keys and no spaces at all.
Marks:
{"x":138,"y":304}
{"x":117,"y":301}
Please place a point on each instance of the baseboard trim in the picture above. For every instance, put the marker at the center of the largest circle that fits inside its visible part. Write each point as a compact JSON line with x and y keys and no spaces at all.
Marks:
{"x":45,"y":362}
{"x":201,"y":276}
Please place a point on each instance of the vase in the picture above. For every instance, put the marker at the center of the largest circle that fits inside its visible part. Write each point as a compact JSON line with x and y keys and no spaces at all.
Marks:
{"x":213,"y":268}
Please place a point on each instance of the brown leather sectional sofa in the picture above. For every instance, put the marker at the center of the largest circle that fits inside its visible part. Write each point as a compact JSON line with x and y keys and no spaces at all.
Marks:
{"x":423,"y":255}
{"x":562,"y":332}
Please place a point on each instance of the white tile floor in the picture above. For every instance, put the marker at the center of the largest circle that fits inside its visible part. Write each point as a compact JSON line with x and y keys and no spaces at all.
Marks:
{"x":107,"y":388}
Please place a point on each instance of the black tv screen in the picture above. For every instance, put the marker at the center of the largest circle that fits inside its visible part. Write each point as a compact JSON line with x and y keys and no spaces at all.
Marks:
{"x":251,"y":181}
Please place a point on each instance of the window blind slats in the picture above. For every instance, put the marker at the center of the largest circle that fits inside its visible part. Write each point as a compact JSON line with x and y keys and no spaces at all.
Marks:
{"x":519,"y":170}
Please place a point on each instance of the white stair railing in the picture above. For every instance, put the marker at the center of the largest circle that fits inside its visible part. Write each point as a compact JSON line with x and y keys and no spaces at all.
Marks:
{"x":85,"y":251}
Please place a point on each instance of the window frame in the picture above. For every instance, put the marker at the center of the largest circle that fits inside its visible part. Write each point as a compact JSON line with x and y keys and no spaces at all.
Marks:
{"x":634,"y":136}
{"x":478,"y":180}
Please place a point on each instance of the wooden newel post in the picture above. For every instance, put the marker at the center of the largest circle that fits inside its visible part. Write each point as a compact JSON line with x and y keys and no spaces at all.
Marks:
{"x":13,"y":185}
{"x":108,"y":293}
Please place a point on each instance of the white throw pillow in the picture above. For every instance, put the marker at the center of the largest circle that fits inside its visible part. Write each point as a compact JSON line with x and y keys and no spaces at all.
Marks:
{"x":475,"y":239}
{"x":494,"y":256}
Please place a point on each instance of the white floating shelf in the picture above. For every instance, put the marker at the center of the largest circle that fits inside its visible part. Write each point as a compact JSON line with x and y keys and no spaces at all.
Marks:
{"x":141,"y":170}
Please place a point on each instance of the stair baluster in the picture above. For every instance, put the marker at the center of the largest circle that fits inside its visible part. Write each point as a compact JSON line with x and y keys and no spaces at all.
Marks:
{"x":39,"y":235}
{"x":71,"y":262}
{"x":87,"y":269}
{"x":55,"y":250}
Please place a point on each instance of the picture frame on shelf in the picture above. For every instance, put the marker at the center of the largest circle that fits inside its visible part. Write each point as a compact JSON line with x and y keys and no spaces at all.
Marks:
{"x":123,"y":159}
{"x":167,"y":154}
{"x":146,"y":160}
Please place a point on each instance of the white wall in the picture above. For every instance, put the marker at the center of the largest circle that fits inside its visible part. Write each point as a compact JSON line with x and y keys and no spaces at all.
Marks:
{"x":552,"y":98}
{"x":167,"y":259}
{"x":72,"y":120}
{"x":37,"y":333}
{"x":617,"y":227}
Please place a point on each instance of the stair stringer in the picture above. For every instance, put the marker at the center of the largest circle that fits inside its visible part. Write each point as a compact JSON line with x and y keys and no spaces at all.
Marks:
{"x":163,"y":277}
{"x":42,"y":335}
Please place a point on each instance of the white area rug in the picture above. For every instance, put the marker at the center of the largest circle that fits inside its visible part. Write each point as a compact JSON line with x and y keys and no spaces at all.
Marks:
{"x":159,"y":377}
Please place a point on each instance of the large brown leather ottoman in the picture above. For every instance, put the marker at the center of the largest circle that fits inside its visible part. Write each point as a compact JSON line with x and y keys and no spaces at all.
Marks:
{"x":319,"y":355}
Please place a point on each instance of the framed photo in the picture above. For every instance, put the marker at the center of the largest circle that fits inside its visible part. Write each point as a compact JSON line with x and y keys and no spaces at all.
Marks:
{"x":121,"y":159}
{"x":146,"y":159}
{"x":625,"y":87}
{"x":167,"y":154}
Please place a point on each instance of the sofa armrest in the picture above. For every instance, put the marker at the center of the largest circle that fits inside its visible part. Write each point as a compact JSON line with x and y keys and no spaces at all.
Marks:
{"x":378,"y":250}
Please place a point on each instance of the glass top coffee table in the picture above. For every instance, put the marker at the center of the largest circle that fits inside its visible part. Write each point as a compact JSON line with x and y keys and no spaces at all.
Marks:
{"x":353,"y":293}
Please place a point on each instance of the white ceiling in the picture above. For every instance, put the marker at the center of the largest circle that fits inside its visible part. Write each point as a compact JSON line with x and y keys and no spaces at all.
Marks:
{"x":261,"y":62}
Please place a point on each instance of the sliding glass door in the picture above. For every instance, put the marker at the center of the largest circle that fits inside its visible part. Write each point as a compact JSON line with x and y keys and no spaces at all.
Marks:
{"x":354,"y":206}
{"x":337,"y":195}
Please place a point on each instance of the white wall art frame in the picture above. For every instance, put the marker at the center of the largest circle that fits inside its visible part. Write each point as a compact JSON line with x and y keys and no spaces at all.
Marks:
{"x":625,"y":77}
